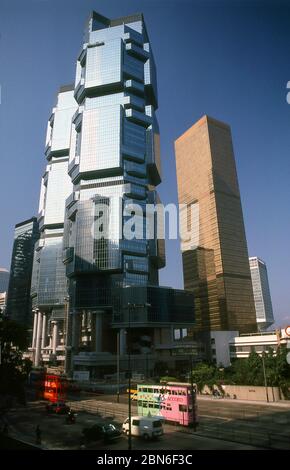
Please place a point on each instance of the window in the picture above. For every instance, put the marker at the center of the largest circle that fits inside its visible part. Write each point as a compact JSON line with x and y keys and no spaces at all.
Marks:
{"x":177,"y":334}
{"x":182,"y":408}
{"x":135,"y":422}
{"x":157,"y":424}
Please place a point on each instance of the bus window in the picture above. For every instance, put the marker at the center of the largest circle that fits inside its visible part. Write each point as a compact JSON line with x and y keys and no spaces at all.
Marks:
{"x":156,"y":405}
{"x":182,"y":408}
{"x":145,"y":390}
{"x":144,"y":404}
{"x":151,"y":405}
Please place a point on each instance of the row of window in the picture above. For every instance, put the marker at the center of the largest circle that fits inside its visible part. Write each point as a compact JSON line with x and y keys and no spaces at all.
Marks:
{"x":162,"y":406}
{"x":162,"y":391}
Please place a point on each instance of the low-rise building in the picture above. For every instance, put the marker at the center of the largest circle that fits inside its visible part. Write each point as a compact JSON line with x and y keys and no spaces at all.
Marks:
{"x":227,"y":346}
{"x":241,"y":346}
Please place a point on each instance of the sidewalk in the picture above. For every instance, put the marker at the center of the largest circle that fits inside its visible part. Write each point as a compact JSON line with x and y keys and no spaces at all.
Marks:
{"x":282,"y":403}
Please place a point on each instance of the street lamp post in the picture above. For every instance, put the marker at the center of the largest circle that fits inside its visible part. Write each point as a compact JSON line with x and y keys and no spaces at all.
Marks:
{"x":265,"y":377}
{"x":131,"y":306}
{"x":129,"y":376}
{"x":118,"y":366}
{"x":264,"y":371}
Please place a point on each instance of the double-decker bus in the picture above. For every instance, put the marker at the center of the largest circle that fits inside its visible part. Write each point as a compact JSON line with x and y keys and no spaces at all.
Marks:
{"x":51,"y":387}
{"x":55,"y":388}
{"x":174,"y":402}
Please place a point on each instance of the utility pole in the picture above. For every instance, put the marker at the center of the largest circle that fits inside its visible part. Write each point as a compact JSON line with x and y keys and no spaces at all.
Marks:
{"x":118,"y":367}
{"x":192,"y":391}
{"x":264,"y":370}
{"x":265,"y":377}
{"x":131,"y":306}
{"x":129,"y":377}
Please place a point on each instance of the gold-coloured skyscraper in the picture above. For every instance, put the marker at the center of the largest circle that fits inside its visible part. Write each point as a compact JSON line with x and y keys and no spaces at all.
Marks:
{"x":215,"y":263}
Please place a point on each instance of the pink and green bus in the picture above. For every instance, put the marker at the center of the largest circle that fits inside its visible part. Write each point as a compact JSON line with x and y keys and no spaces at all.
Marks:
{"x":173,"y":401}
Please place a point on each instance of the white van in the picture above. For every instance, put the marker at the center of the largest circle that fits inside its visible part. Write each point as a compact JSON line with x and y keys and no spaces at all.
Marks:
{"x":147,"y":427}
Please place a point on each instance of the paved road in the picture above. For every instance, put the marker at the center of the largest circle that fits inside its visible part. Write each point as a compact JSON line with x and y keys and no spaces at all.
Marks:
{"x":256,"y":424}
{"x":57,"y":435}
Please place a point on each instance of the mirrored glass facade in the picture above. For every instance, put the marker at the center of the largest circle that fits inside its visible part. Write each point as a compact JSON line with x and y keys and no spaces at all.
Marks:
{"x":18,"y":308}
{"x":49,"y":284}
{"x":103,"y":156}
{"x":4,"y":280}
{"x":216,"y":267}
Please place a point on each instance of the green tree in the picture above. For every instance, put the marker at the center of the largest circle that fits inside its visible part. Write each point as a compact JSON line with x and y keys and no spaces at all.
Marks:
{"x":205,"y":374}
{"x":13,"y":369}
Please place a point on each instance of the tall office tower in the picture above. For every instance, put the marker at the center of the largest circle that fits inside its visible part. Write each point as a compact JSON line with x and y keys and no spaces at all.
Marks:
{"x":215,"y":262}
{"x":18,"y":308}
{"x":114,"y":164}
{"x":262,"y":296}
{"x":4,"y":279}
{"x":48,"y":286}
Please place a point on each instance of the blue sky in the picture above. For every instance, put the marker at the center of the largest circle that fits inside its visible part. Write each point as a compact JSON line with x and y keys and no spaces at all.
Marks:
{"x":228,"y":59}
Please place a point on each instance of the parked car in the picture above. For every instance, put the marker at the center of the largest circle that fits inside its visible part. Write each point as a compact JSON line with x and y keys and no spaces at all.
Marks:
{"x":58,"y":407}
{"x":107,"y":432}
{"x":148,"y":427}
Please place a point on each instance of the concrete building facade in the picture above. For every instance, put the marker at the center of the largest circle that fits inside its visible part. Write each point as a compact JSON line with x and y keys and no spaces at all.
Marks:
{"x":262,"y":296}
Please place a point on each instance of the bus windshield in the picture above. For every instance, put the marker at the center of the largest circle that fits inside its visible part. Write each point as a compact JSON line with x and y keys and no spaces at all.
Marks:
{"x":157,"y":424}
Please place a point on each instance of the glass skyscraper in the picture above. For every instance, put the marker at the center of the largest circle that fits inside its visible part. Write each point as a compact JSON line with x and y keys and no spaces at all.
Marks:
{"x":103,"y":155}
{"x":262,"y":296}
{"x":4,"y":280}
{"x":49,"y":285}
{"x":18,"y":309}
{"x":215,"y":261}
